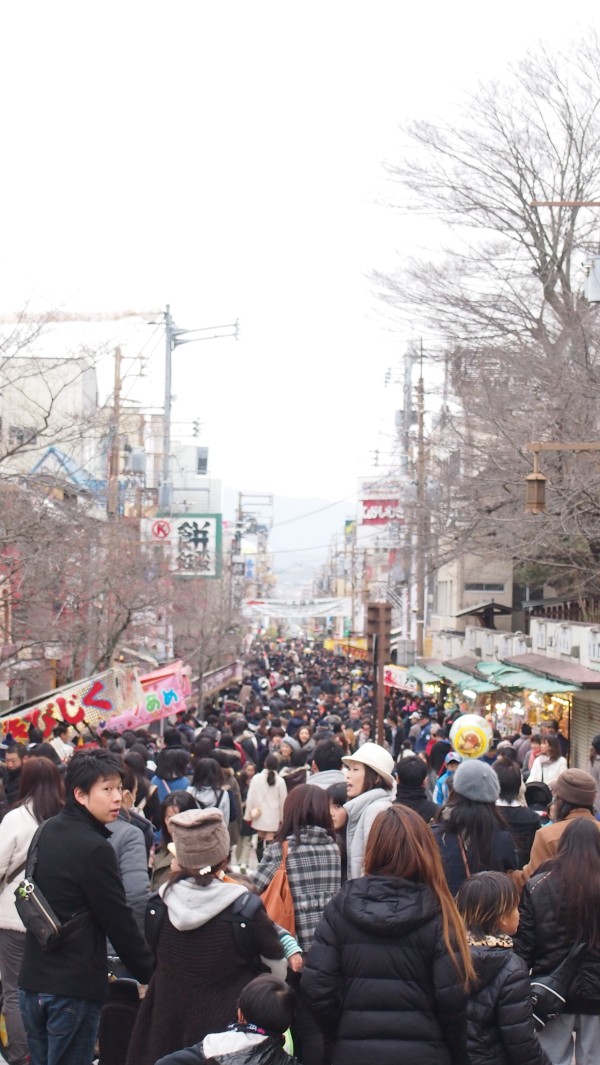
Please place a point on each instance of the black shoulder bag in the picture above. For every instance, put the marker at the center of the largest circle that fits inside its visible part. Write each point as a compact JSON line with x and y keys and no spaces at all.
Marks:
{"x":549,"y":992}
{"x":36,"y":912}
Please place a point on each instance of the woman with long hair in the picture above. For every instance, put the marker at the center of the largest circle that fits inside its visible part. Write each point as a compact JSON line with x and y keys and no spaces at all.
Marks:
{"x":313,"y":858}
{"x":560,"y":906}
{"x":389,"y":968}
{"x":314,"y":875}
{"x":200,"y":964}
{"x":471,"y":834}
{"x":41,"y":795}
{"x":549,"y":764}
{"x":370,"y":790}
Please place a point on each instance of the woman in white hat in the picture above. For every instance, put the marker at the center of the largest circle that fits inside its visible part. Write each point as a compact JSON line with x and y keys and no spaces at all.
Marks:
{"x":371,"y":788}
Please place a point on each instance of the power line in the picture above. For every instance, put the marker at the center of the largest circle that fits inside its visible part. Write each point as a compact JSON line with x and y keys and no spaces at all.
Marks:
{"x":327,"y":506}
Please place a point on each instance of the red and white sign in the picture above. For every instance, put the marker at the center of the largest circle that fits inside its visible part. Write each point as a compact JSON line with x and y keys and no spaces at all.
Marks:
{"x":161,"y":529}
{"x":379,"y":511}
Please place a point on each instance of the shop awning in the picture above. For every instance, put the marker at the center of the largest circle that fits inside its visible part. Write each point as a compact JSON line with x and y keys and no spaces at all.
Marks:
{"x":422,"y":675}
{"x":522,"y":679}
{"x":513,"y":677}
{"x":463,"y":680}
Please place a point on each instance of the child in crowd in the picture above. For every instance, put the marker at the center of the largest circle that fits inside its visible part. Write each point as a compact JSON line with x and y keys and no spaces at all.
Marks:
{"x":442,"y":788}
{"x":500,"y":1026}
{"x":265,"y":1012}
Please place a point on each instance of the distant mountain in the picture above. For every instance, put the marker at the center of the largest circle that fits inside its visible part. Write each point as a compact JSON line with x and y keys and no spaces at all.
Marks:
{"x":301,"y":535}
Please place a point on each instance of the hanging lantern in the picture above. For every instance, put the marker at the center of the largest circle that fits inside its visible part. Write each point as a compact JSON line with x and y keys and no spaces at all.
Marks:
{"x":535,"y":490}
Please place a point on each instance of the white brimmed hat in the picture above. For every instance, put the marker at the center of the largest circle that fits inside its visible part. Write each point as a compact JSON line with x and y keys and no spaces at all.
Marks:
{"x":376,"y":757}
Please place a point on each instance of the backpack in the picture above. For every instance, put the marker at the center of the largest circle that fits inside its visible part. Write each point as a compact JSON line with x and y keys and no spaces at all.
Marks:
{"x":210,"y":805}
{"x":240,"y":915}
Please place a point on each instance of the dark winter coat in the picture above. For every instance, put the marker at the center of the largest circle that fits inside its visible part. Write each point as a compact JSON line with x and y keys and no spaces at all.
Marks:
{"x":500,"y":1028}
{"x":523,"y":824}
{"x":380,"y":980}
{"x":199,"y":971}
{"x":417,"y":799}
{"x":503,"y":855}
{"x":543,"y":941}
{"x":77,"y":871}
{"x":241,"y":1051}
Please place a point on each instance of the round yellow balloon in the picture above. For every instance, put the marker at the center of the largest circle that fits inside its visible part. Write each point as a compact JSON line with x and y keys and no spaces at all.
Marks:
{"x":471,"y":736}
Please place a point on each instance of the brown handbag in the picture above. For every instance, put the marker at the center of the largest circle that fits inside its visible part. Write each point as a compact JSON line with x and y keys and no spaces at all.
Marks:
{"x":277,"y":896}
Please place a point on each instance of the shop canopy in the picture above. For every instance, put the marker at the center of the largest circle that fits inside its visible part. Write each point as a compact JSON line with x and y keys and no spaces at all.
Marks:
{"x":508,"y":677}
{"x":524,"y":680}
{"x":463,"y":680}
{"x":422,"y":675}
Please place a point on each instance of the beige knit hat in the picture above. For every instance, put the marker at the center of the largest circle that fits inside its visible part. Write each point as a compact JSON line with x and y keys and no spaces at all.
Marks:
{"x":200,"y":839}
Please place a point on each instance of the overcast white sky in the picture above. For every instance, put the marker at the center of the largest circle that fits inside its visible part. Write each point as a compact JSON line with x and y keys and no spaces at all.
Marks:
{"x":226,"y":157}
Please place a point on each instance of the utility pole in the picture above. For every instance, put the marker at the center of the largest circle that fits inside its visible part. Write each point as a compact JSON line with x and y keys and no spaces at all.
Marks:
{"x":353,"y":578}
{"x":173,"y":338}
{"x":112,"y":496}
{"x":379,"y":629}
{"x":169,"y":343}
{"x":407,"y":413}
{"x":421,"y":517}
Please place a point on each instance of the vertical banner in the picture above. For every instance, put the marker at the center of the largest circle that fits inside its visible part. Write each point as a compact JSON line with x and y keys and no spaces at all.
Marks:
{"x":192,"y":542}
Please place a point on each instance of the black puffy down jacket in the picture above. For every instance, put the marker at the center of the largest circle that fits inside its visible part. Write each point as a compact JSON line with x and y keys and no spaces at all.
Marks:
{"x":500,"y":1029}
{"x":378,"y":976}
{"x":543,"y":941}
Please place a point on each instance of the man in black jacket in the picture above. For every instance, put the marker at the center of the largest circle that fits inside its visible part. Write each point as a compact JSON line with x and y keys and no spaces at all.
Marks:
{"x":62,"y":993}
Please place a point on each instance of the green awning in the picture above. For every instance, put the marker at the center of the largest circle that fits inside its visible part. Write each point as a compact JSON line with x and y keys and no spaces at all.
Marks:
{"x":522,"y":679}
{"x":422,"y":675}
{"x":489,"y":669}
{"x":482,"y":687}
{"x":508,"y":677}
{"x":464,"y":680}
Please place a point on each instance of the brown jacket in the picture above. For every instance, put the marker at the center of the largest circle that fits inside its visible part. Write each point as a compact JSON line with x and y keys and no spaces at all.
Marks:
{"x":545,"y":845}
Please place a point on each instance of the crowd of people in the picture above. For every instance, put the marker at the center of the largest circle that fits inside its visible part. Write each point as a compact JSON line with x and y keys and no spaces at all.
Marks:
{"x":264,"y":867}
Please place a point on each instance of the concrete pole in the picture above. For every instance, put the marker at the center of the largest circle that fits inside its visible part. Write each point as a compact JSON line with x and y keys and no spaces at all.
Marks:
{"x":166,"y":472}
{"x":112,"y":497}
{"x":421,"y":517}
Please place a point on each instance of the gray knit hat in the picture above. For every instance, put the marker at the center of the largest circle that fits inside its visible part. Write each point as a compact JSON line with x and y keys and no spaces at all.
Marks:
{"x":200,"y":839}
{"x":476,"y":780}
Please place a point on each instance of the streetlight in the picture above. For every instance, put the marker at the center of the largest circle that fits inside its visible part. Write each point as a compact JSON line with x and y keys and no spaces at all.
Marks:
{"x":535,"y":492}
{"x":173,"y":338}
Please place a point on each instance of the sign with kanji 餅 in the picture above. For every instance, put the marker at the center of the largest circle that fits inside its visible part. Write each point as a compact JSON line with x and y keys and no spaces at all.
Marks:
{"x":192,"y":542}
